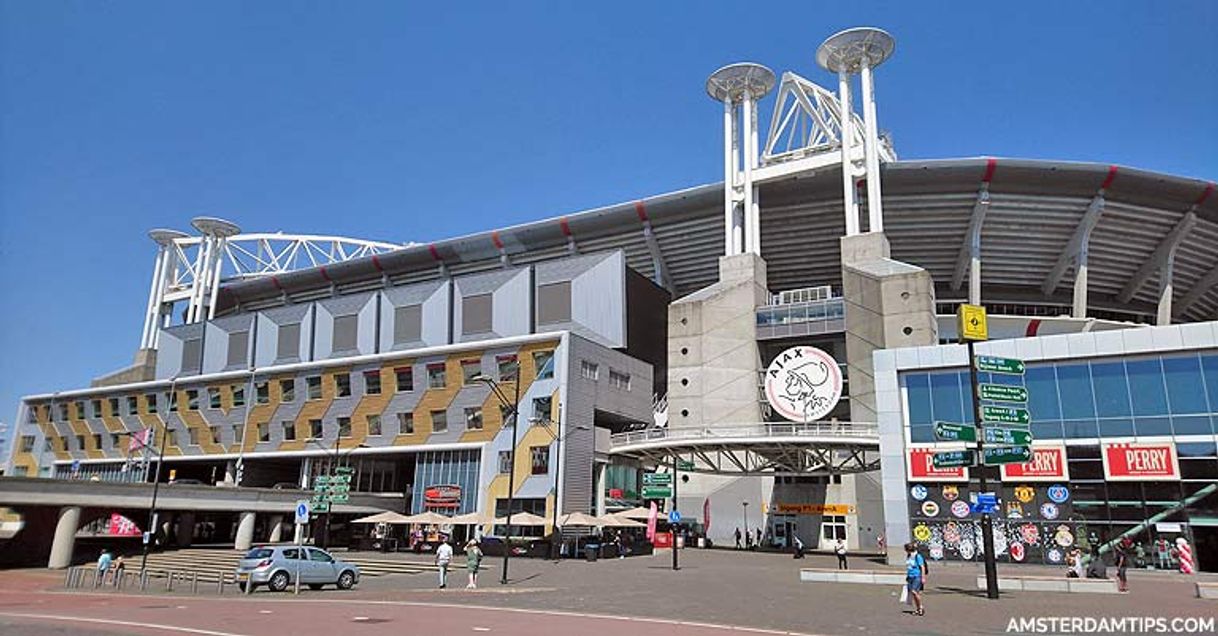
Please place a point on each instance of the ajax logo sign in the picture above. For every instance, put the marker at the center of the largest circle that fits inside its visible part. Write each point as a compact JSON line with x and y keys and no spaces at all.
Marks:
{"x":803,"y":384}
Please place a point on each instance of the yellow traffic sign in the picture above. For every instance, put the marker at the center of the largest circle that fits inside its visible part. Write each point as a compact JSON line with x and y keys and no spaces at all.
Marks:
{"x":972,"y":323}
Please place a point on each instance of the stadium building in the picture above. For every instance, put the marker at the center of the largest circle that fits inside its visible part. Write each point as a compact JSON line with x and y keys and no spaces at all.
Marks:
{"x":782,"y":340}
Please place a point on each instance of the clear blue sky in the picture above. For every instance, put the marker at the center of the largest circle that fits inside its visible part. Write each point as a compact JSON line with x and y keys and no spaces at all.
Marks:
{"x":410,"y":121}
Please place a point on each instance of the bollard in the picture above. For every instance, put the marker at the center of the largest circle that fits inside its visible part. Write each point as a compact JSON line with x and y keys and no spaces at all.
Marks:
{"x":169,"y":580}
{"x":194,"y":582}
{"x":220,"y":584}
{"x":96,"y":574}
{"x":143,"y":580}
{"x":249,"y":585}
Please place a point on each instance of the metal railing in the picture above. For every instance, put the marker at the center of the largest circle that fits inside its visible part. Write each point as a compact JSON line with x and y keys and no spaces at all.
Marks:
{"x":89,"y":577}
{"x":759,"y":430}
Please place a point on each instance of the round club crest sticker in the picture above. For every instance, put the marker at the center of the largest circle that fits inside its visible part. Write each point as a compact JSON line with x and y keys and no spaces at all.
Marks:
{"x":960,"y":508}
{"x":918,"y":492}
{"x":1054,"y":555}
{"x":1017,"y":551}
{"x":1058,"y":493}
{"x":1048,"y":510}
{"x":951,"y":492}
{"x":921,"y":532}
{"x":803,"y":384}
{"x":930,"y":508}
{"x":1025,"y":494}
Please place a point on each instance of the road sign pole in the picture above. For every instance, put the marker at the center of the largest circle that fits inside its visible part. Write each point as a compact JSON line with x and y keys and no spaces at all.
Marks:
{"x":675,"y":565}
{"x":987,"y":523}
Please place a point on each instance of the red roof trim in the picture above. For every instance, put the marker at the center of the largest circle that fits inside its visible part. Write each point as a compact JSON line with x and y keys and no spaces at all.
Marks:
{"x":435,"y":254}
{"x":990,"y":166}
{"x":1112,"y":173}
{"x":1209,"y":189}
{"x":640,"y":210}
{"x":495,"y":239}
{"x":325,"y":274}
{"x":376,"y":262}
{"x":566,"y":229}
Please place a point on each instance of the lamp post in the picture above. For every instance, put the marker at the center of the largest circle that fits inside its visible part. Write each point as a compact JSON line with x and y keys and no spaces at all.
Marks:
{"x":337,"y":456}
{"x":746,"y":521}
{"x":514,"y":414}
{"x":150,"y":531}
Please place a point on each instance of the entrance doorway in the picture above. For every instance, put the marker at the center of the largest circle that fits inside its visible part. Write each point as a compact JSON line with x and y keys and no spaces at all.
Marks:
{"x":1205,"y":548}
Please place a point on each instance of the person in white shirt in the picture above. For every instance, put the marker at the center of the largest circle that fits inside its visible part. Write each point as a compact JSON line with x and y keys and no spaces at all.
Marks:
{"x":840,"y":549}
{"x":444,"y":556}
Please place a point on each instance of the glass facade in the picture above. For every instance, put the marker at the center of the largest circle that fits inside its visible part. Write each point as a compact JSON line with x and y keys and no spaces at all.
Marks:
{"x":446,"y":468}
{"x":1084,"y":404}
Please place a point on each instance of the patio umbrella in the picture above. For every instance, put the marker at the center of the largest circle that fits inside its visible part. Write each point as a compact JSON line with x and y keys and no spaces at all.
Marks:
{"x":522,"y":519}
{"x":428,"y":518}
{"x":634,"y":513}
{"x":576,"y":519}
{"x":468,"y":519}
{"x":617,"y":521}
{"x":383,"y":517}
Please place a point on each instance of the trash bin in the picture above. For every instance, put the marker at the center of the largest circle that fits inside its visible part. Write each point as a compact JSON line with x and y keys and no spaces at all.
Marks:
{"x":591,"y":551}
{"x":701,"y":542}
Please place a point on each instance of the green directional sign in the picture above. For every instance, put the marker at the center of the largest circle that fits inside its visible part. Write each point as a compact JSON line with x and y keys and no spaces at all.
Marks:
{"x":950,"y":432}
{"x":1000,"y":365}
{"x":952,"y":459}
{"x":657,"y":479}
{"x":1006,"y":455}
{"x":685,"y":464}
{"x":321,"y":480}
{"x":319,"y":506}
{"x":340,"y":479}
{"x":1007,"y":436}
{"x":338,"y":498}
{"x":338,"y":488}
{"x":1006,"y":415}
{"x":657,"y":492}
{"x":1003,"y":393}
{"x":344,"y":470}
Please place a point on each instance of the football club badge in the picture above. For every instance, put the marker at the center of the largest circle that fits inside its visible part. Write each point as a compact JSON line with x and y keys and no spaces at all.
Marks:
{"x":1058,"y":493}
{"x":1048,"y":510}
{"x":1063,"y":537}
{"x":951,"y":492}
{"x":921,"y":532}
{"x":1014,"y":510}
{"x":967,"y":550}
{"x":1054,"y":555}
{"x":1017,"y":551}
{"x":960,"y":509}
{"x":930,"y":508}
{"x":1025,"y":494}
{"x":918,"y":492}
{"x":936,"y":551}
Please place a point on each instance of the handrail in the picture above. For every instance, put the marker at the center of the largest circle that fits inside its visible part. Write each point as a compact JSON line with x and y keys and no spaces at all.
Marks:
{"x":757,"y":430}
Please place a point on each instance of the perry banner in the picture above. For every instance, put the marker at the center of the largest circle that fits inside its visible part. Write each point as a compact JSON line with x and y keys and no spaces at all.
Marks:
{"x":1141,"y":462}
{"x":1048,"y":464}
{"x":918,"y":467}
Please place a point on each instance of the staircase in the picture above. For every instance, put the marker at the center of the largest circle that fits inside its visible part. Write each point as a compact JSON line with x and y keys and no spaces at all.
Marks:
{"x":211,"y":563}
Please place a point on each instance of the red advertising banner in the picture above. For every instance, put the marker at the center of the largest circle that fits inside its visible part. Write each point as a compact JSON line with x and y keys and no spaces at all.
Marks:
{"x":1141,"y":462}
{"x":121,"y":526}
{"x":1048,"y":464}
{"x":919,"y":467}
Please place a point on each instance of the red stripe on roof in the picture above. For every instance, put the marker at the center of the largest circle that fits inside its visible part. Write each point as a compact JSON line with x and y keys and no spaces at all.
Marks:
{"x":435,"y":254}
{"x":1209,"y":189}
{"x":275,"y":281}
{"x":640,"y":210}
{"x":1033,"y":327}
{"x":1112,"y":172}
{"x":495,"y":239}
{"x":325,"y":274}
{"x":566,"y":229}
{"x":376,"y":262}
{"x":990,"y":166}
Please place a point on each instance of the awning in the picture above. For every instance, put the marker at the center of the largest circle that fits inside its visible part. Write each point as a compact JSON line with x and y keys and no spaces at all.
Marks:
{"x":615,"y":521}
{"x":468,"y":519}
{"x":575,"y":519}
{"x":384,"y":517}
{"x":428,"y":518}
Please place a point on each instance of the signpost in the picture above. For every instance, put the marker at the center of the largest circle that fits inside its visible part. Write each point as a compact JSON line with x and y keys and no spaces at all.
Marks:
{"x":999,"y":365}
{"x":657,"y":479}
{"x":953,"y":459}
{"x":1008,"y":436}
{"x":1004,"y":393}
{"x":1006,"y":415}
{"x":657,"y":492}
{"x":997,"y":455}
{"x":995,"y":365}
{"x":950,"y":432}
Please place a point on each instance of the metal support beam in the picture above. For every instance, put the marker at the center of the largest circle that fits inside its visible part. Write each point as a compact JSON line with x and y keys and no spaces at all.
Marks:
{"x":847,"y":143}
{"x":969,"y":258}
{"x":1160,"y":258}
{"x":1194,"y":294}
{"x":660,"y":271}
{"x":1075,"y":252}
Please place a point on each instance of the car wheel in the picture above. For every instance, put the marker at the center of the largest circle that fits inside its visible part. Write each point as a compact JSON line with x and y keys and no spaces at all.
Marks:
{"x":315,"y":586}
{"x":241,"y":586}
{"x":346,"y":580}
{"x":279,"y":581}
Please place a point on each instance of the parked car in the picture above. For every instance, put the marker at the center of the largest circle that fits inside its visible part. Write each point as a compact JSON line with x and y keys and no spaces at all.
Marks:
{"x":185,"y":482}
{"x":286,"y":485}
{"x":277,"y":566}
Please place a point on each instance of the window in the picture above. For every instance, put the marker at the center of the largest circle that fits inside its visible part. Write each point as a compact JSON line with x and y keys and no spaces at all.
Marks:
{"x":238,"y":395}
{"x":407,"y":324}
{"x":192,"y":399}
{"x":31,"y":415}
{"x":113,"y":404}
{"x":238,"y":348}
{"x":97,"y":441}
{"x":262,"y":392}
{"x":436,"y":376}
{"x":344,"y":427}
{"x":172,"y":399}
{"x":833,"y":527}
{"x":404,"y":378}
{"x":315,"y":429}
{"x":238,"y":434}
{"x":216,"y":433}
{"x":213,"y":397}
{"x":619,"y":380}
{"x":439,"y":421}
{"x":470,"y":369}
{"x":542,"y":407}
{"x":194,"y":436}
{"x":372,"y":382}
{"x":150,"y":402}
{"x":473,"y":418}
{"x":95,"y":405}
{"x":405,"y":423}
{"x":345,"y":330}
{"x":543,"y":362}
{"x":63,"y":412}
{"x":171,"y":437}
{"x":476,"y":314}
{"x":374,"y":424}
{"x":264,"y":431}
{"x":590,"y":370}
{"x":80,"y":410}
{"x":115,"y":441}
{"x":289,"y":431}
{"x":342,"y":385}
{"x":554,"y":303}
{"x":27,"y":443}
{"x":508,"y":366}
{"x":287,"y":390}
{"x":313,"y":385}
{"x":192,"y":356}
{"x":133,"y":405}
{"x":80,"y":442}
{"x":288,"y":348}
{"x":540,"y":456}
{"x":505,"y":462}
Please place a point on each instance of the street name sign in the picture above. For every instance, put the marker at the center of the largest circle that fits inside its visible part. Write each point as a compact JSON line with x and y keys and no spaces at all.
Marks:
{"x":950,"y":432}
{"x":657,"y":479}
{"x":1007,"y":436}
{"x":1000,"y":365}
{"x":657,"y":492}
{"x":1006,"y":455}
{"x":953,"y":459}
{"x":1006,"y":415}
{"x":1004,"y":393}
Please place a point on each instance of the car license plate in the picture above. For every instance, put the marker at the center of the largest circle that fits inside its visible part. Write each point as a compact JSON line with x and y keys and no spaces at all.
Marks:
{"x":243,"y":577}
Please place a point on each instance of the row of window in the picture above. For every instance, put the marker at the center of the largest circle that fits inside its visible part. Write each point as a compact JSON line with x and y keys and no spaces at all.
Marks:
{"x":507,"y":368}
{"x":592,"y":371}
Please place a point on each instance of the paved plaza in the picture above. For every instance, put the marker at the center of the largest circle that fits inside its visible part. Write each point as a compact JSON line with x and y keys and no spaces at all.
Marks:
{"x":715,"y":592}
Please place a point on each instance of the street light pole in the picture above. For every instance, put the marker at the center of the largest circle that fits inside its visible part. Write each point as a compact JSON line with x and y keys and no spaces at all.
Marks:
{"x":514,"y":414}
{"x":746,"y":521}
{"x":156,"y":480}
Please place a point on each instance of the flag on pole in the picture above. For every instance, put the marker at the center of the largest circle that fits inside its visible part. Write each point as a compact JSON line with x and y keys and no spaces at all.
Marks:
{"x":651,"y":522}
{"x":706,"y":515}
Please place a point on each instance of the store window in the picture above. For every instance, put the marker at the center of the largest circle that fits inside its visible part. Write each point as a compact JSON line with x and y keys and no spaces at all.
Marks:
{"x":833,"y":528}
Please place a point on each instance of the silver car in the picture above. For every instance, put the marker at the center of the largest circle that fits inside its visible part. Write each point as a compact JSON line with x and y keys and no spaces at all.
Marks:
{"x":277,"y":567}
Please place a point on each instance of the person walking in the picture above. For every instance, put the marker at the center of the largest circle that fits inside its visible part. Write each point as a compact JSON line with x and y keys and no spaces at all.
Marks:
{"x":473,"y":561}
{"x":758,"y":538}
{"x":840,"y":550}
{"x":737,"y":537}
{"x":103,"y":566}
{"x":617,"y":543}
{"x":1122,"y":564}
{"x":444,"y":556}
{"x":119,"y":568}
{"x":915,"y":576}
{"x":879,"y":542}
{"x":1074,"y":563}
{"x":799,"y":547}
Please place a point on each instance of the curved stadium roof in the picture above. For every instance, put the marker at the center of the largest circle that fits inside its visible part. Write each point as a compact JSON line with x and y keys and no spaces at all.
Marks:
{"x":1035,"y":209}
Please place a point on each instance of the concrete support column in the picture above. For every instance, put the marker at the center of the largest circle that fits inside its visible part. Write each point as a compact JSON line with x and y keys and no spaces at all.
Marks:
{"x":230,"y":473}
{"x":1080,"y":287}
{"x":186,"y":529}
{"x":276,"y":530}
{"x":1165,"y":290}
{"x":245,"y":531}
{"x":65,"y":538}
{"x":599,"y":482}
{"x":298,"y":534}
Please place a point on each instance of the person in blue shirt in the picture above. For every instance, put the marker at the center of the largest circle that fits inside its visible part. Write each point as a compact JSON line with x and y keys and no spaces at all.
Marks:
{"x":915,"y":576}
{"x":103,"y":566}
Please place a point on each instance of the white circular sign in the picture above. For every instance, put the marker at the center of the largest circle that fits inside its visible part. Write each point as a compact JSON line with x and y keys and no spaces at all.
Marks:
{"x":803,"y":384}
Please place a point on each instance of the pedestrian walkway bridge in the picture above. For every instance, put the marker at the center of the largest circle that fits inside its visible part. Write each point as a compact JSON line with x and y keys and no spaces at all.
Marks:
{"x":764,"y":448}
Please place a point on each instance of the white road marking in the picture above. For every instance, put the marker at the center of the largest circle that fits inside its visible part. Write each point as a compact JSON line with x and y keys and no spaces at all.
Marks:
{"x":265,"y":612}
{"x":482,"y":629}
{"x":103,"y":621}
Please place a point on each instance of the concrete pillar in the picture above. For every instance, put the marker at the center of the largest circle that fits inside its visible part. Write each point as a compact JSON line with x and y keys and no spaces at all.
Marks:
{"x":601,"y":471}
{"x":276,"y":530}
{"x":230,"y":473}
{"x":1165,"y":291}
{"x":65,"y":538}
{"x":245,"y":531}
{"x":186,"y":529}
